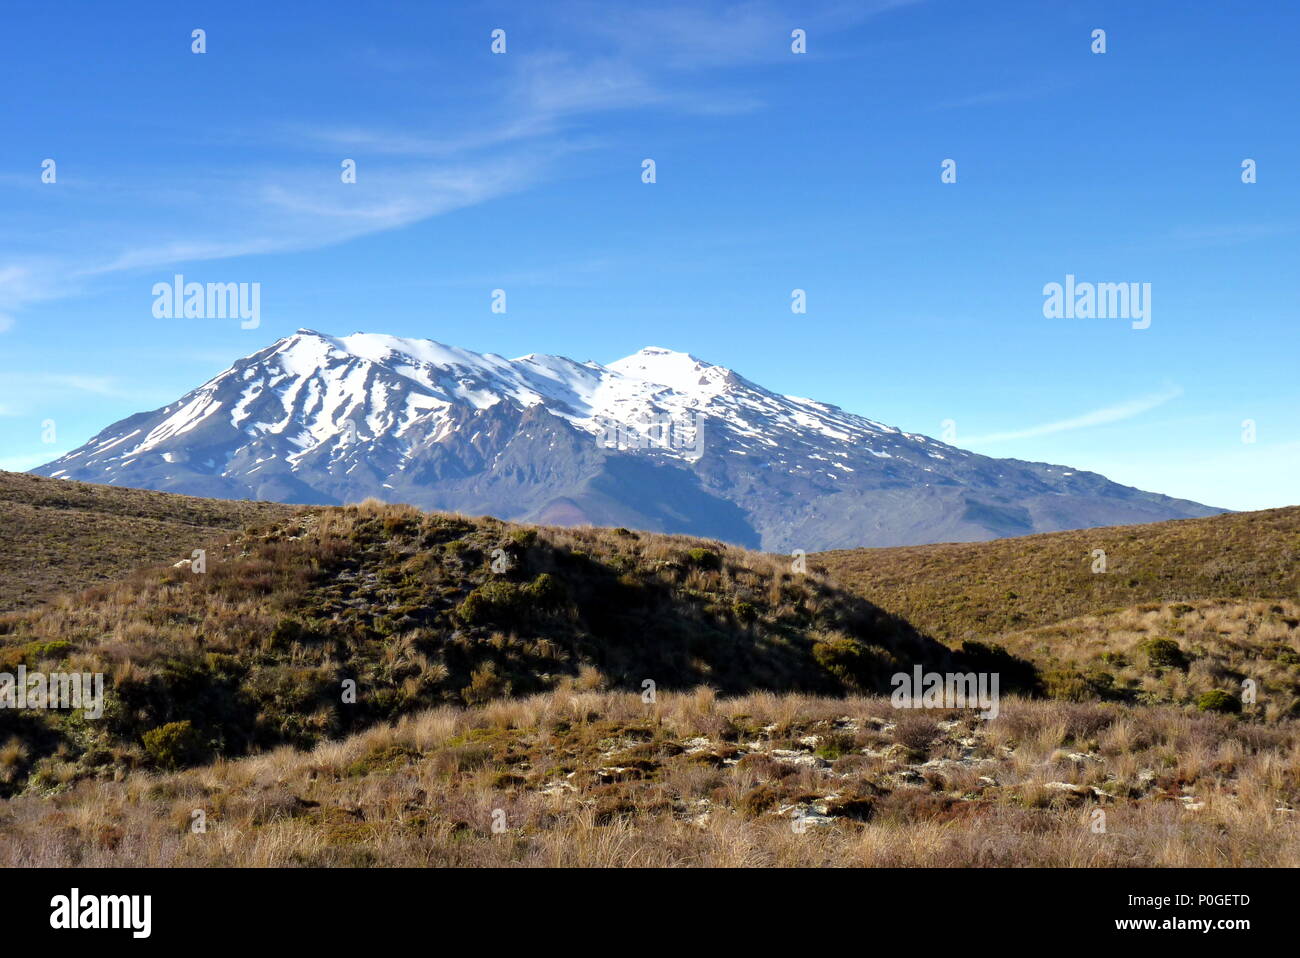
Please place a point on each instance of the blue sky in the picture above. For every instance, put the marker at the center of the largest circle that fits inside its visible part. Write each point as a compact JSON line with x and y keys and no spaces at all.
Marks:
{"x":775,"y":171}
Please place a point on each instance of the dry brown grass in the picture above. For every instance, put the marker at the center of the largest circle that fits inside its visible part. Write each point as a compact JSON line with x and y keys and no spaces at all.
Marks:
{"x":980,"y":590}
{"x":604,"y":779}
{"x":1223,"y":643}
{"x":418,"y":609}
{"x":252,"y":654}
{"x":58,"y":536}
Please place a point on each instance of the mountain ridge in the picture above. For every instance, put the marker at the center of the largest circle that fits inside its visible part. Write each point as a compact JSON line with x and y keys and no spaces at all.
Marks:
{"x":659,"y":440}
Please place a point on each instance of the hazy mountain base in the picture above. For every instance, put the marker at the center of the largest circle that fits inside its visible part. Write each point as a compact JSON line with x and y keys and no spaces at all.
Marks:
{"x":530,"y":466}
{"x":599,"y":779}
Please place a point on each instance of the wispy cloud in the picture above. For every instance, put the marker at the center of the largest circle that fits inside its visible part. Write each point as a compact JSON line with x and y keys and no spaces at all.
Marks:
{"x":22,"y":283}
{"x":99,"y":385}
{"x":504,"y":140}
{"x":273,"y":217}
{"x":1098,"y":417}
{"x":24,"y":391}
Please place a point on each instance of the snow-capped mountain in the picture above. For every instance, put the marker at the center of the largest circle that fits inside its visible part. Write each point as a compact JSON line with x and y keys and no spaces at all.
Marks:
{"x":659,"y":440}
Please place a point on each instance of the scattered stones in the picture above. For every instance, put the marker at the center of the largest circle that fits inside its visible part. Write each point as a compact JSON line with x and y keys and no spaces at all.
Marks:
{"x":699,"y":812}
{"x":792,"y":757}
{"x":908,"y":769}
{"x":1083,"y":758}
{"x":907,"y":776}
{"x":616,"y":773}
{"x":1079,"y":791}
{"x":804,"y":814}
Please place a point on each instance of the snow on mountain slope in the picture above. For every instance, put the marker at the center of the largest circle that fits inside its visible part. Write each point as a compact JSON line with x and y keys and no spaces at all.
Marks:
{"x":659,"y":438}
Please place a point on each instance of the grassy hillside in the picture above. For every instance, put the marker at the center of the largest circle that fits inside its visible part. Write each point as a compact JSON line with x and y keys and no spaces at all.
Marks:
{"x":418,"y":610}
{"x":1188,"y":653}
{"x":605,"y":779}
{"x":58,"y":536}
{"x":498,"y":715}
{"x":981,"y":590}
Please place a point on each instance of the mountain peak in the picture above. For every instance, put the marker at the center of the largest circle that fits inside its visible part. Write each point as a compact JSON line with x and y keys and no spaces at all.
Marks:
{"x":660,"y":440}
{"x":676,"y":370}
{"x":658,"y":354}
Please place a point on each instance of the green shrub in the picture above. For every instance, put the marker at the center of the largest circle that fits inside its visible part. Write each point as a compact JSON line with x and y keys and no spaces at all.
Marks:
{"x":385,"y":758}
{"x":32,"y":653}
{"x":1284,"y":654}
{"x":847,"y":660}
{"x":1217,"y":700}
{"x":546,"y":591}
{"x":174,"y":745}
{"x":835,"y":745}
{"x":1066,"y":685}
{"x":704,"y":559}
{"x":1070,"y":685}
{"x":497,"y":602}
{"x":1164,"y":654}
{"x":1100,"y":680}
{"x":289,"y":630}
{"x":401,"y":525}
{"x":507,"y":603}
